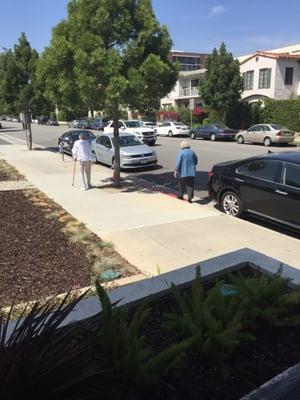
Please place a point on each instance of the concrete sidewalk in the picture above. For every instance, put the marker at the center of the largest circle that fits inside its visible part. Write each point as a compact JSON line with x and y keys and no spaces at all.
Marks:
{"x":153,"y":231}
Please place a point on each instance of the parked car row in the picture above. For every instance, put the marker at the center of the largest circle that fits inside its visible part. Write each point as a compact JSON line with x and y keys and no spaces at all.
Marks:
{"x":12,"y":119}
{"x":98,"y":123}
{"x":267,"y":134}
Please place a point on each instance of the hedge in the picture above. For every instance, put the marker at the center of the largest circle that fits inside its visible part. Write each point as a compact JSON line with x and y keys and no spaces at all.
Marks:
{"x":284,"y":112}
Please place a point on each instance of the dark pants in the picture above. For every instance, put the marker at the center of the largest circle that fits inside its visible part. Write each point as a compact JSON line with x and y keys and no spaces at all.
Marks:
{"x":186,"y":184}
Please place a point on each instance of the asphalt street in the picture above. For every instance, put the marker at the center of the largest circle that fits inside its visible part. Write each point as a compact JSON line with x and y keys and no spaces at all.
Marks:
{"x":209,"y":153}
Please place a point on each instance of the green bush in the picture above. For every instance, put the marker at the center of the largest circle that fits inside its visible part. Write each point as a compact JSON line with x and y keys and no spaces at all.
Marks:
{"x":206,"y":121}
{"x":284,"y":112}
{"x":125,"y":347}
{"x":215,"y":318}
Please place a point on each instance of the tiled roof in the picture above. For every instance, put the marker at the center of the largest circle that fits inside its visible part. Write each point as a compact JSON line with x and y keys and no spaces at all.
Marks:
{"x":276,"y":56}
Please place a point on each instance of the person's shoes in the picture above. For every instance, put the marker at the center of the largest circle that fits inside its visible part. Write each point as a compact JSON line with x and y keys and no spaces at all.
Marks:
{"x":190,"y":200}
{"x":180,"y":197}
{"x":83,"y":188}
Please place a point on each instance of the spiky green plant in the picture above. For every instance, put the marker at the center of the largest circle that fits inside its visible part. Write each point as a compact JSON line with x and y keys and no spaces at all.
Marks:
{"x":39,"y":360}
{"x":268,"y":300}
{"x":125,"y":347}
{"x":216,"y":319}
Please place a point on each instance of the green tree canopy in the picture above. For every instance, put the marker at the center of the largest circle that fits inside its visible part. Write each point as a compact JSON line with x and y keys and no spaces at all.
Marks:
{"x":109,"y":54}
{"x":222,"y":84}
{"x":17,"y":76}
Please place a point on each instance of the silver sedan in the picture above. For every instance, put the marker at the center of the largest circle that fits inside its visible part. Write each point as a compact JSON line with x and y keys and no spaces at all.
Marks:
{"x":133,"y":152}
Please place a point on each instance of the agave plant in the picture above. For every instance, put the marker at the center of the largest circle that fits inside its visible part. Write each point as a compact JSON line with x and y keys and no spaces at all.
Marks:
{"x":40,"y":360}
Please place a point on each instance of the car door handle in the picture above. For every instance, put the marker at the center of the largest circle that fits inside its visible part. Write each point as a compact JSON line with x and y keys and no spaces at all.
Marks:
{"x":239,"y":179}
{"x":281,"y":192}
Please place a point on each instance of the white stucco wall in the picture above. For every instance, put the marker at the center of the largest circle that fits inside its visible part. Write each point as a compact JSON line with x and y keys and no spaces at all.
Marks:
{"x":283,"y":91}
{"x":255,"y":64}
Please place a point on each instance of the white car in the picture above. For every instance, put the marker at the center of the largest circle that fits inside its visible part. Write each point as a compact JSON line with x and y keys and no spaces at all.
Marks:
{"x":135,"y":127}
{"x":133,"y":152}
{"x":173,"y":129}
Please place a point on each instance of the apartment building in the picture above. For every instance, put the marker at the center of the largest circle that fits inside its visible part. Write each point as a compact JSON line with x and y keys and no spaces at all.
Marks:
{"x":186,"y":88}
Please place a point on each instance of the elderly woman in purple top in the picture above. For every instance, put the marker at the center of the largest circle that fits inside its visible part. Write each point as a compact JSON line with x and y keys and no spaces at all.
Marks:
{"x":186,"y":170}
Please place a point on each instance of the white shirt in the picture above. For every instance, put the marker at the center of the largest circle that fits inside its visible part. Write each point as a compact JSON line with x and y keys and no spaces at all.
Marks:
{"x":82,"y":150}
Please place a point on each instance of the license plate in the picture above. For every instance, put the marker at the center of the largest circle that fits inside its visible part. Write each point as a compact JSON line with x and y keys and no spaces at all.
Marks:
{"x":144,"y":162}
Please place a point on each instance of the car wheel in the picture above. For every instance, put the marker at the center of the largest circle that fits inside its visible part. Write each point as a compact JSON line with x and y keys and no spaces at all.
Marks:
{"x":240,"y":139}
{"x":267,"y":141}
{"x":170,"y":133}
{"x":94,"y":158}
{"x":231,"y":204}
{"x":193,"y":136}
{"x":212,"y":137}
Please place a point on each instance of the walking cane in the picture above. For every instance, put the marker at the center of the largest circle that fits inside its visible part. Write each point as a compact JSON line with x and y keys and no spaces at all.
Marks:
{"x":74,"y":172}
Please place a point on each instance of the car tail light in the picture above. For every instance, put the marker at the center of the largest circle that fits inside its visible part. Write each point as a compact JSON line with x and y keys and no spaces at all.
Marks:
{"x":210,"y":173}
{"x":279,"y":134}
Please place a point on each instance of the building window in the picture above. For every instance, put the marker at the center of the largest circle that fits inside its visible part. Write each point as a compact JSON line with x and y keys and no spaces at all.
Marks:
{"x":264,"y":78}
{"x":288,"y":80}
{"x":248,"y":80}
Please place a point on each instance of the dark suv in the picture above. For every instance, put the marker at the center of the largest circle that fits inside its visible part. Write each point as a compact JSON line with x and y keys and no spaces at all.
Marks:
{"x":266,"y":186}
{"x":43,"y":119}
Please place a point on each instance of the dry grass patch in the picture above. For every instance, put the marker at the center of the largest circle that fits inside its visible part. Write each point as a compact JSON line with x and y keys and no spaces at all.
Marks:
{"x":9,"y":173}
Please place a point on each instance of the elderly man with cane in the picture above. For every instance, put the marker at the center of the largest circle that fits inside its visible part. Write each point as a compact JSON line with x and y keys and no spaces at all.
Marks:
{"x":83,"y":154}
{"x":186,"y":170}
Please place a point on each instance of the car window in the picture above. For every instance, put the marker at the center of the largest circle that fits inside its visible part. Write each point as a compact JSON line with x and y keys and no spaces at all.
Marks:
{"x":262,"y":169}
{"x":267,"y":128}
{"x":133,"y":124}
{"x":220,"y":126}
{"x":75,"y":136}
{"x":106,"y":142}
{"x":100,"y":140}
{"x":291,"y":175}
{"x":129,"y":140}
{"x":204,"y":127}
{"x":253,"y":128}
{"x":277,"y":127}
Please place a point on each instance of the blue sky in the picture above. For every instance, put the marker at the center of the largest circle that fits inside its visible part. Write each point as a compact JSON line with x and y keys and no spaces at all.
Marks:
{"x":194,"y":25}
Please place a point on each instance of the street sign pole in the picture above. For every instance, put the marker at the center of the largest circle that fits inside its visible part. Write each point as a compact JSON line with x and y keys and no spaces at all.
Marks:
{"x":191,"y":107}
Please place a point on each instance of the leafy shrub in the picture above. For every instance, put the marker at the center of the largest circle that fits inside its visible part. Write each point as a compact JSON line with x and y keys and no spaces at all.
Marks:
{"x":216,"y":319}
{"x":267,"y":300}
{"x":284,"y":112}
{"x":125,"y":347}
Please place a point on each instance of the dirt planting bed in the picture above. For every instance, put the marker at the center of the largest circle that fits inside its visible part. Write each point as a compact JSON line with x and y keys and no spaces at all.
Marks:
{"x":45,"y":251}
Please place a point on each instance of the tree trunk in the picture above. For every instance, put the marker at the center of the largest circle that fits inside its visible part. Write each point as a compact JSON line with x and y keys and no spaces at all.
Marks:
{"x":116,"y":166}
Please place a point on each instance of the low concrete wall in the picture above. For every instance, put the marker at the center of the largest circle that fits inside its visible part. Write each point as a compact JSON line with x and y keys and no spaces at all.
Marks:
{"x":285,"y":386}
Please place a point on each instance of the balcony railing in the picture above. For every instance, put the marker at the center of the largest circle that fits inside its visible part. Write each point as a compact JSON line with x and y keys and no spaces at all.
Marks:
{"x":186,"y":92}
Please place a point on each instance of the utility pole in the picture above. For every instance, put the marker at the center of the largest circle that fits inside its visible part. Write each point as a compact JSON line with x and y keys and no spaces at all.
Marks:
{"x":27,"y":122}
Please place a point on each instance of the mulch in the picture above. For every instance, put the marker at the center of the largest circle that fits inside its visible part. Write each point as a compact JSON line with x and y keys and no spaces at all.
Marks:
{"x":36,"y":257}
